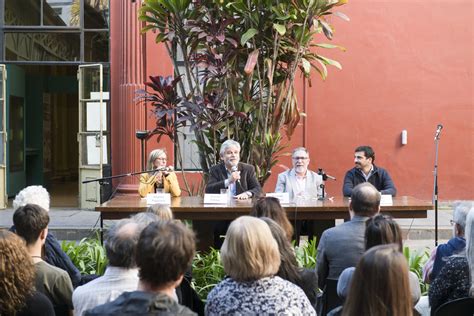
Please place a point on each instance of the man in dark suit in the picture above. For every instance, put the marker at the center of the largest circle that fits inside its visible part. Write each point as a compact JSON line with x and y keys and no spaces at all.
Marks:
{"x":342,"y":246}
{"x":237,"y":177}
{"x":233,"y":175}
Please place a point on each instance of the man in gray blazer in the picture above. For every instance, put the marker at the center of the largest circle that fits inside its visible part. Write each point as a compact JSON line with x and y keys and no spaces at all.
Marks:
{"x":342,"y":246}
{"x":302,"y":183}
{"x":299,"y":181}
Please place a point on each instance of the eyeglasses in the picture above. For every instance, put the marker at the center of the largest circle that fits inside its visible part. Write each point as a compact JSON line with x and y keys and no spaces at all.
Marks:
{"x":452,"y":222}
{"x":161,"y":159}
{"x":300,"y":158}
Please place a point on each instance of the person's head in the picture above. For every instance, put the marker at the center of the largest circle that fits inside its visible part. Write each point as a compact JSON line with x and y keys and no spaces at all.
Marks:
{"x":145,"y":218}
{"x":365,"y":200}
{"x":288,"y":265}
{"x":34,"y":194}
{"x":364,"y":156}
{"x":121,"y":243}
{"x":249,"y":251}
{"x":270,"y":207}
{"x":17,"y":273}
{"x":163,"y":211}
{"x":300,"y":159}
{"x":230,"y":153}
{"x":31,"y":223}
{"x":157,"y":159}
{"x":469,"y":235}
{"x":380,"y":284}
{"x":381,"y":230}
{"x":460,"y":211}
{"x":164,"y":253}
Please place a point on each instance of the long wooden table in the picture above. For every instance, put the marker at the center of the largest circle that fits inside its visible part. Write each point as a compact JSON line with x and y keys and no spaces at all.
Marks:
{"x":193,"y":208}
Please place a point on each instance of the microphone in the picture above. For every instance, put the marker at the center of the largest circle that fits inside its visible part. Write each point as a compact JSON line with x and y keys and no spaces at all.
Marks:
{"x":438,"y":131}
{"x":234,"y":169}
{"x":325,"y":175}
{"x":169,"y":169}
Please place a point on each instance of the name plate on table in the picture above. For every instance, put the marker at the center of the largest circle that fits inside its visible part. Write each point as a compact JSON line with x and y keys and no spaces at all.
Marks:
{"x":386,"y":200}
{"x":210,"y":198}
{"x":284,"y":197}
{"x":158,"y":198}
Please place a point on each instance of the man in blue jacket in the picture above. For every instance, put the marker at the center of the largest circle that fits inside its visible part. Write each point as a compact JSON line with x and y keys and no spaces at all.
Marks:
{"x":366,"y":171}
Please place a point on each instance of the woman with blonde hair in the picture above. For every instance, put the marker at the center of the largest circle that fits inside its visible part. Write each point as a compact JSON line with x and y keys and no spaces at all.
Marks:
{"x":380,"y":285}
{"x":17,"y":279}
{"x":162,"y":177}
{"x":251,"y":260}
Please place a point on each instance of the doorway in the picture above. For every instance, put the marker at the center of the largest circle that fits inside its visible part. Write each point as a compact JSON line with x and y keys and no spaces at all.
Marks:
{"x":42,"y":108}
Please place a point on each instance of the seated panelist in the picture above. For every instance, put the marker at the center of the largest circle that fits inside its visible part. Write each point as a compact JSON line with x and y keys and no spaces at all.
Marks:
{"x":233,"y":175}
{"x":161,"y":178}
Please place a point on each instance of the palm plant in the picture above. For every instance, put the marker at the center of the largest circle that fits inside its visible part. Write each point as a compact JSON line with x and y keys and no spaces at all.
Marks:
{"x":245,"y":56}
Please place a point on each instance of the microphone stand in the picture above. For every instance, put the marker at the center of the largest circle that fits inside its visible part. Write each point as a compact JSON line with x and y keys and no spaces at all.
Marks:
{"x":435,"y":187}
{"x":104,"y":179}
{"x":323,"y":174}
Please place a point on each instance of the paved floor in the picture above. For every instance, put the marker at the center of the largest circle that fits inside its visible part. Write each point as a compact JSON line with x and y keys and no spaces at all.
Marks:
{"x":75,"y":224}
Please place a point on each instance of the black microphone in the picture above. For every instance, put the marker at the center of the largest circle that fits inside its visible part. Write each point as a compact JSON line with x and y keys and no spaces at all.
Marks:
{"x":325,"y":176}
{"x":438,"y":131}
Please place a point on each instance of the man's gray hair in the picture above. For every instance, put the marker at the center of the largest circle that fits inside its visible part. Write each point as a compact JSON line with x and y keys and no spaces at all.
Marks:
{"x":228,"y":143}
{"x":300,"y":149}
{"x":34,"y":194}
{"x":121,"y":243}
{"x":460,"y":211}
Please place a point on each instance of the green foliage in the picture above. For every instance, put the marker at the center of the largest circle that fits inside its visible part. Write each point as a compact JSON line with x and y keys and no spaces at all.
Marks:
{"x":88,"y":255}
{"x":207,"y":272}
{"x":306,"y":254}
{"x":416,"y":260}
{"x":239,"y":63}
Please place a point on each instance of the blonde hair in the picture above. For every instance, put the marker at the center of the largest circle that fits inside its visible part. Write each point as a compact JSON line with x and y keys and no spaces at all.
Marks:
{"x":249,"y":251}
{"x":163,"y":211}
{"x":154,"y":154}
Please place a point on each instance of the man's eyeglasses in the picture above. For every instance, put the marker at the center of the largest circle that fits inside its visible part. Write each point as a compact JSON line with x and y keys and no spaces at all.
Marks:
{"x":300,"y":158}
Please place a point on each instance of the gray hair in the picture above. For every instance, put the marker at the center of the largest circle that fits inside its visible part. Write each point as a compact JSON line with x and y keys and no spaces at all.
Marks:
{"x":34,"y":194}
{"x":154,"y":154}
{"x":300,"y":149}
{"x":163,"y":211}
{"x":228,"y":143}
{"x":469,"y":235}
{"x":121,"y":243}
{"x":460,"y":211}
{"x":144,"y":218}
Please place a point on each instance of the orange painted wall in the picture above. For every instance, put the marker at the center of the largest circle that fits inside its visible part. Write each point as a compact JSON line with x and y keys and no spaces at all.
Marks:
{"x":408,"y":65}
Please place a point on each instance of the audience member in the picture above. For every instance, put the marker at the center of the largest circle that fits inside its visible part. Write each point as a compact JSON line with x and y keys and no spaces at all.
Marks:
{"x":121,"y":274}
{"x":455,"y":278}
{"x":144,"y":218}
{"x":163,"y":211}
{"x":342,"y":246}
{"x":366,"y":171}
{"x":17,"y":277}
{"x":270,"y":207}
{"x":251,"y":260}
{"x":53,"y":254}
{"x":306,"y":279}
{"x":380,"y":284}
{"x":161,"y":178}
{"x":454,"y":246}
{"x":381,"y":230}
{"x":31,"y":223}
{"x":164,"y":253}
